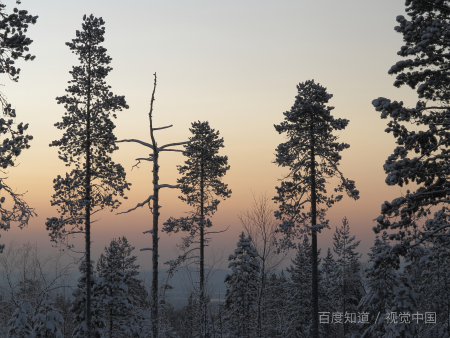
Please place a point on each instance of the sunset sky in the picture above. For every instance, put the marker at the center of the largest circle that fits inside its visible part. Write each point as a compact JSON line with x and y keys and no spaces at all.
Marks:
{"x":234,"y":63}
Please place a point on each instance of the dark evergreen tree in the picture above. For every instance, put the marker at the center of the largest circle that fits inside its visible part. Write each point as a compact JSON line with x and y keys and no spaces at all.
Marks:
{"x":87,"y":143}
{"x":311,"y":154}
{"x":242,"y":289}
{"x":14,"y":46}
{"x":200,"y":184}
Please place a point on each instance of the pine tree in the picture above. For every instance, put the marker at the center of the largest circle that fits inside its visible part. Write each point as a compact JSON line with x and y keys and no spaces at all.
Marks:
{"x":86,"y":143}
{"x":312,"y":156}
{"x":18,"y":325}
{"x":242,"y":288}
{"x":14,"y":45}
{"x":47,"y":321}
{"x":420,"y":156}
{"x":200,"y":184}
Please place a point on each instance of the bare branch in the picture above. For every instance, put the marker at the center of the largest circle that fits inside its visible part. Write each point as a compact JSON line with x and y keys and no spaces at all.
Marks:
{"x":159,"y":186}
{"x":162,"y":127}
{"x":137,"y":141}
{"x":173,"y":144}
{"x":138,"y":205}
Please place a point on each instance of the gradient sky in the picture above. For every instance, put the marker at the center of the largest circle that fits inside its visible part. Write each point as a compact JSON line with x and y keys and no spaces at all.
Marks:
{"x":235,"y":63}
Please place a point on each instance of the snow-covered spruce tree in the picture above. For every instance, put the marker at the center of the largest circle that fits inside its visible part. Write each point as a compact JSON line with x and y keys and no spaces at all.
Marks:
{"x":87,"y":143}
{"x":329,"y":276}
{"x":118,"y":290}
{"x":79,"y":307}
{"x":404,"y":302}
{"x":260,"y":224}
{"x":300,"y":274}
{"x":47,"y":321}
{"x":311,"y":154}
{"x":19,"y":325}
{"x":14,"y":45}
{"x":154,"y":208}
{"x":435,"y":284}
{"x":242,"y":288}
{"x":349,"y":288}
{"x":200,"y":186}
{"x":420,"y":156}
{"x":381,"y":277}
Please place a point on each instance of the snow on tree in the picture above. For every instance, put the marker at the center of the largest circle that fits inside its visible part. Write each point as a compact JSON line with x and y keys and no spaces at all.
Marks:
{"x":117,"y":290}
{"x":434,"y":284}
{"x":79,"y":307}
{"x":421,"y":133}
{"x":47,"y":321}
{"x":312,"y":155}
{"x":329,"y":277}
{"x":279,"y":319}
{"x":87,"y":143}
{"x":349,"y":288}
{"x":13,"y":46}
{"x":300,"y":274}
{"x":200,"y":184}
{"x":401,"y":324}
{"x":381,"y":277}
{"x":242,"y":288}
{"x":154,"y":208}
{"x":18,"y":325}
{"x":260,"y":224}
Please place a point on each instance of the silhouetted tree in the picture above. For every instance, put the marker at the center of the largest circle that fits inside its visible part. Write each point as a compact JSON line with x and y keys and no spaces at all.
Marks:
{"x":87,"y":143}
{"x":312,"y":156}
{"x":13,"y":46}
{"x":200,"y":184}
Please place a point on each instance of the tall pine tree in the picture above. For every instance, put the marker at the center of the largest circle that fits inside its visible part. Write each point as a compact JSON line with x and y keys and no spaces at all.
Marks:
{"x":87,"y":143}
{"x":200,"y":184}
{"x":311,"y":154}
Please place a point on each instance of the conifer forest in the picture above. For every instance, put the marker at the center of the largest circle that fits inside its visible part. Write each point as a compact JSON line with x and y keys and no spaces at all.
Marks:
{"x":279,"y":282}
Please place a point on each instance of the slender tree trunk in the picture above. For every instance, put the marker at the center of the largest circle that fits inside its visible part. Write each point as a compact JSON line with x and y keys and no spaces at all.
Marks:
{"x":315,"y":281}
{"x":202,"y":249}
{"x":155,"y":211}
{"x":88,"y":204}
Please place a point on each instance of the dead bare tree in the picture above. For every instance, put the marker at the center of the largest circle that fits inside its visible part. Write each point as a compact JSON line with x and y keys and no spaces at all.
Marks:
{"x":155,"y":208}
